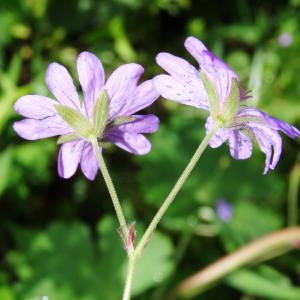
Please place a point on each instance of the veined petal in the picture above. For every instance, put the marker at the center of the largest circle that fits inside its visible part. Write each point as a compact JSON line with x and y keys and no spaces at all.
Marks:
{"x":32,"y":129}
{"x":195,"y":47}
{"x":120,"y":86}
{"x":270,"y":122}
{"x":88,"y":162}
{"x":91,"y":77}
{"x":215,"y":68}
{"x":286,"y":128}
{"x":270,"y":142}
{"x":143,"y":96}
{"x":69,"y":157}
{"x":240,"y":145}
{"x":186,"y":81}
{"x":61,"y":85}
{"x":177,"y":67}
{"x":35,"y":107}
{"x":141,"y":124}
{"x":178,"y":91}
{"x":132,"y":142}
{"x":219,"y":137}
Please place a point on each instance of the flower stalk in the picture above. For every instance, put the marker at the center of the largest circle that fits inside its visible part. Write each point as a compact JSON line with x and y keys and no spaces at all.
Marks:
{"x":178,"y":185}
{"x":110,"y":187}
{"x":136,"y":253}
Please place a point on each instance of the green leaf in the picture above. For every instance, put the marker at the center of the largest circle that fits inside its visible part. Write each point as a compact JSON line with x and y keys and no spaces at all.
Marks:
{"x":100,"y":113}
{"x":155,"y":264}
{"x":213,"y":96}
{"x":75,"y":120}
{"x":255,"y":284}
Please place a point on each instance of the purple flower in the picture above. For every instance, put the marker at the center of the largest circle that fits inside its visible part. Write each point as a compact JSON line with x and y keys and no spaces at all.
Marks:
{"x":122,"y":126}
{"x":224,"y":210}
{"x":285,"y":39}
{"x":216,"y":88}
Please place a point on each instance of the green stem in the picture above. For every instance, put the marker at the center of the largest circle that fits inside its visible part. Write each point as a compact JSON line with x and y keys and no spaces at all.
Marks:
{"x":111,"y":188}
{"x":183,"y":177}
{"x":134,"y":255}
{"x":129,"y":277}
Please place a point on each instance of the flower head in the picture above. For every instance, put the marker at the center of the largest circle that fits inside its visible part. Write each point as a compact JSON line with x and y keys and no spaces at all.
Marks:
{"x":106,"y":113}
{"x":215,"y":87}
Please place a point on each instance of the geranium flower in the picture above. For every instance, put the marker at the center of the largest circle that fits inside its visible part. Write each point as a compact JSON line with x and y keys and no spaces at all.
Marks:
{"x":215,"y":87}
{"x":107,"y":112}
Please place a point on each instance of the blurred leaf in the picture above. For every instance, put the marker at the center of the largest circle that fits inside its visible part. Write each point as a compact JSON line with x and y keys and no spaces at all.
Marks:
{"x":155,"y":264}
{"x":255,"y":284}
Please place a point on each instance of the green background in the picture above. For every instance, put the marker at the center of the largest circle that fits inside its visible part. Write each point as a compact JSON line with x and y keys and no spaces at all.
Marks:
{"x":59,"y":237}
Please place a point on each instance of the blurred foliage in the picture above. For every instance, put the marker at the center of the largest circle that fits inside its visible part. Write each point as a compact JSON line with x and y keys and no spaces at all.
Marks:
{"x":58,"y":238}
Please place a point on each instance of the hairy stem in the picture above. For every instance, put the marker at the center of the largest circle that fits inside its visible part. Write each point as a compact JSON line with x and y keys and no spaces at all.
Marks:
{"x":178,"y":185}
{"x":129,"y":277}
{"x":111,"y":188}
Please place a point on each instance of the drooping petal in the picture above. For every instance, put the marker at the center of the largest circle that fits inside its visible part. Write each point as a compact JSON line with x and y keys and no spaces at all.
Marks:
{"x":214,"y":68}
{"x":141,"y":124}
{"x":32,"y":129}
{"x":143,"y":96}
{"x":61,"y":85}
{"x":91,"y":77}
{"x":240,"y":145}
{"x":132,"y":142}
{"x":286,"y":128}
{"x":88,"y":162}
{"x":178,"y":91}
{"x":269,"y":121}
{"x":270,"y":142}
{"x":219,"y":137}
{"x":120,"y":86}
{"x":69,"y":157}
{"x":35,"y":107}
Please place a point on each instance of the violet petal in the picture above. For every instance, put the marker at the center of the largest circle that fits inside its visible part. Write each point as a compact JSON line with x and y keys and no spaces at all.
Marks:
{"x":120,"y":87}
{"x":141,"y":124}
{"x":91,"y":77}
{"x":61,"y":85}
{"x":69,"y":157}
{"x":240,"y":145}
{"x":143,"y":96}
{"x":88,"y":162}
{"x":32,"y":129}
{"x":35,"y":107}
{"x":132,"y":142}
{"x":219,"y":137}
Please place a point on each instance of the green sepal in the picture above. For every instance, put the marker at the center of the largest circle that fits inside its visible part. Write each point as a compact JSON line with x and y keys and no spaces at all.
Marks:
{"x":69,"y":137}
{"x":100,"y":113}
{"x":75,"y":120}
{"x":122,"y":120}
{"x":232,"y":103}
{"x":212,"y":93}
{"x":242,"y":120}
